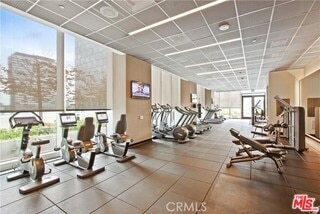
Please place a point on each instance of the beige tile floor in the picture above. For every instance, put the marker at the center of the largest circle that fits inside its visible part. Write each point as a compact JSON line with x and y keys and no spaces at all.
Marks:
{"x":167,"y":177}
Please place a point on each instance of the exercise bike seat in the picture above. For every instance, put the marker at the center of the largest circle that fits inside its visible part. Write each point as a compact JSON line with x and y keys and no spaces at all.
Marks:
{"x":39,"y":142}
{"x":86,"y":133}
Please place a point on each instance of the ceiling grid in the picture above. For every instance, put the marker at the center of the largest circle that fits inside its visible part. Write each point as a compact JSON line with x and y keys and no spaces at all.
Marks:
{"x":273,"y":34}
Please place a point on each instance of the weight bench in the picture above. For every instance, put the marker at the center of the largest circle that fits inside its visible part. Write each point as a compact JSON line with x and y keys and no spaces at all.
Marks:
{"x":248,"y":145}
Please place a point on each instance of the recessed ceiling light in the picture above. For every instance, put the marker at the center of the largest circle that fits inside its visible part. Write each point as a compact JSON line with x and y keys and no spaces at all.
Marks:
{"x":109,"y":12}
{"x":204,"y":46}
{"x":207,"y":63}
{"x":254,"y":41}
{"x":61,"y":6}
{"x":224,"y":26}
{"x":213,"y":72}
{"x":211,"y":4}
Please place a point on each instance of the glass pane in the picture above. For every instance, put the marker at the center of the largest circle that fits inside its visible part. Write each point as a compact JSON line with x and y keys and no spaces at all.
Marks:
{"x":28,"y":77}
{"x":258,"y":103}
{"x":11,"y":138}
{"x":246,"y":107}
{"x":86,"y":74}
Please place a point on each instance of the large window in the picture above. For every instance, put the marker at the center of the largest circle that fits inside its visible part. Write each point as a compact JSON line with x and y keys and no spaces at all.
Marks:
{"x":86,"y":73}
{"x":31,"y":79}
{"x":230,"y":103}
{"x":28,"y":75}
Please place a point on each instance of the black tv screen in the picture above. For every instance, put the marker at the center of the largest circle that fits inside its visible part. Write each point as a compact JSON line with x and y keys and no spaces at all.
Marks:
{"x":140,"y":90}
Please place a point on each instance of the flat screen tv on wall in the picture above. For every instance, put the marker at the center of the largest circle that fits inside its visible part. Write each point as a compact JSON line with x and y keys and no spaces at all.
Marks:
{"x":140,"y":90}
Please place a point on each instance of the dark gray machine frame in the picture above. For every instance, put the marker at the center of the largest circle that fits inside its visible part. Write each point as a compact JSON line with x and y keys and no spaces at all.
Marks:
{"x":294,"y":116}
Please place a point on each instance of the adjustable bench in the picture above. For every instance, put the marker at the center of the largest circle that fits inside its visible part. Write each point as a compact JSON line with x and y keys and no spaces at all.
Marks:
{"x":248,"y":145}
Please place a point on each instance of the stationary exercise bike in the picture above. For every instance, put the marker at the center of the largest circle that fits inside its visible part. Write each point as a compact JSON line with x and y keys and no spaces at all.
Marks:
{"x":28,"y":165}
{"x":71,"y":151}
{"x":120,"y":144}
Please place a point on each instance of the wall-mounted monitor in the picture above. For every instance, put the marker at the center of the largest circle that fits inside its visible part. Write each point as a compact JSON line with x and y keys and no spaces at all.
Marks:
{"x":140,"y":90}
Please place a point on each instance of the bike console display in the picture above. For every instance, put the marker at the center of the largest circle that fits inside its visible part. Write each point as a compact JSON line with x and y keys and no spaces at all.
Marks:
{"x":102,"y":117}
{"x":68,"y":119}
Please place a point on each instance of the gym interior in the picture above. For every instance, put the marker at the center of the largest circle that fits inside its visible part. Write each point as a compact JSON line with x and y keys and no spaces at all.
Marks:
{"x":160,"y":106}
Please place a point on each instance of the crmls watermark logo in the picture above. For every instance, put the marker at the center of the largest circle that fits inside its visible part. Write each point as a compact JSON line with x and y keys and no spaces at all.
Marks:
{"x":184,"y":207}
{"x":304,"y":203}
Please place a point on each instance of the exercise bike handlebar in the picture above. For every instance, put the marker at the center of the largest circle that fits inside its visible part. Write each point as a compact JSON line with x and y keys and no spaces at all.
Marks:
{"x":25,"y":121}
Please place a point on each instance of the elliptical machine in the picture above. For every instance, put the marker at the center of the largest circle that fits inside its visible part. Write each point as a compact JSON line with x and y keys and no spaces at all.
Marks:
{"x":117,"y":150}
{"x":29,"y":165}
{"x":71,"y":151}
{"x":163,"y":130}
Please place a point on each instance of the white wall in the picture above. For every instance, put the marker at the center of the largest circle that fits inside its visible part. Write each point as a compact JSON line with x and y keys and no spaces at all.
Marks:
{"x":201,"y":95}
{"x":283,"y":84}
{"x":310,"y":88}
{"x":156,"y":84}
{"x":166,"y":88}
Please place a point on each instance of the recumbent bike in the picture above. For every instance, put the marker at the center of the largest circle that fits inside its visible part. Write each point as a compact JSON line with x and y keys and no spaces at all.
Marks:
{"x":71,"y":151}
{"x":120,"y":143}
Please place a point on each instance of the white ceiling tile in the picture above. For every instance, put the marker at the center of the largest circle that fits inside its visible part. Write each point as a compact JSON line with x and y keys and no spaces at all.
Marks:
{"x":134,"y":6}
{"x":99,"y":38}
{"x":166,"y":30}
{"x":257,"y":18}
{"x":83,"y":3}
{"x":312,"y":18}
{"x":112,"y":33}
{"x":290,"y":9}
{"x":77,"y":28}
{"x":90,"y":21}
{"x":220,"y":12}
{"x":184,"y":33}
{"x":151,"y":15}
{"x":191,"y":22}
{"x":255,"y":31}
{"x":228,"y":36}
{"x":129,"y":24}
{"x":285,"y":24}
{"x":147,"y":36}
{"x":97,"y":8}
{"x":233,"y":26}
{"x":129,"y":42}
{"x":21,"y":5}
{"x":173,"y":8}
{"x":47,"y":15}
{"x":70,"y":10}
{"x":249,"y":6}
{"x":199,"y":33}
{"x":159,"y":44}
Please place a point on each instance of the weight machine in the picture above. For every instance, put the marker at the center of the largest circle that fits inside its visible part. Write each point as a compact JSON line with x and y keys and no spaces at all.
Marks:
{"x":294,"y":116}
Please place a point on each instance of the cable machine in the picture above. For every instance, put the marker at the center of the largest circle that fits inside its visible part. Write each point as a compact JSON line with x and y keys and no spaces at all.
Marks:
{"x":294,"y":116}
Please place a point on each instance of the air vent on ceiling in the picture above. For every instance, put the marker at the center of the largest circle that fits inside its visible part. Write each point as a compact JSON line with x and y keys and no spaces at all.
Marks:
{"x":178,"y":39}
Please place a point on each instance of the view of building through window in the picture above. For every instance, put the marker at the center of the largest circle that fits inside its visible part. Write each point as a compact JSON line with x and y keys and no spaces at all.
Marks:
{"x":29,"y":80}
